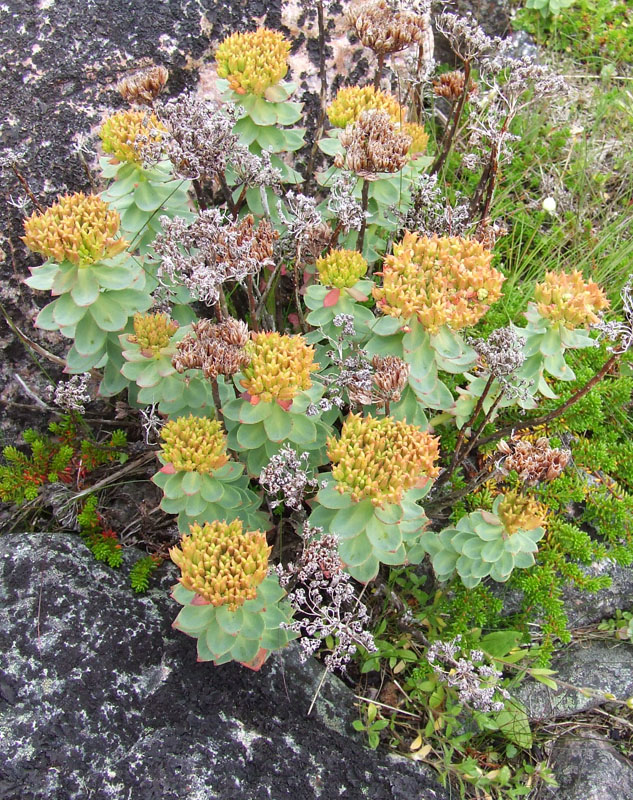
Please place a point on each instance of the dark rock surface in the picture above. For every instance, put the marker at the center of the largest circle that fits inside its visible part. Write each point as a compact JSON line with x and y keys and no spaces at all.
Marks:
{"x":606,"y":666}
{"x":101,"y":699}
{"x":587,"y":767}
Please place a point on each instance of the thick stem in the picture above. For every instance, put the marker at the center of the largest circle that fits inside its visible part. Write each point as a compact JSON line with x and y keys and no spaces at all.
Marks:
{"x":379,"y":68}
{"x":297,"y":281}
{"x":448,"y":143}
{"x":251,"y":303}
{"x":227,"y":194}
{"x":364,"y":201}
{"x":215,"y":391}
{"x":197,"y":187}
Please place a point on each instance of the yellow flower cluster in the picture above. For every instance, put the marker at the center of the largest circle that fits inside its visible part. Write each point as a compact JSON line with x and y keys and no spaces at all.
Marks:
{"x":568,"y":298}
{"x":253,"y":62}
{"x":443,"y":280}
{"x":341,"y":268}
{"x":120,"y":134}
{"x":78,"y":228}
{"x":194,"y":444}
{"x":381,"y":458}
{"x":351,"y":101}
{"x":280,"y":366}
{"x":222,"y":563}
{"x":518,"y":512}
{"x":419,"y":137}
{"x":152,"y":332}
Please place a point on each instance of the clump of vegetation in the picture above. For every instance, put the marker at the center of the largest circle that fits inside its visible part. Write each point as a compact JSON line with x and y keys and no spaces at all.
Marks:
{"x":406,"y":357}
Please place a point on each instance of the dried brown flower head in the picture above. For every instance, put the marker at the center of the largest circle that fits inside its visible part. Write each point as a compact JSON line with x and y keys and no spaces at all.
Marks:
{"x":215,"y":348}
{"x":450,"y":85}
{"x":143,"y":88}
{"x":385,"y":29}
{"x":373,"y":145}
{"x":533,"y":461}
{"x":390,"y":376}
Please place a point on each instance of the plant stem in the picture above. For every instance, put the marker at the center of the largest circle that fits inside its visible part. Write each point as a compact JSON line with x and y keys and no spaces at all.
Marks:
{"x":227,"y":195}
{"x":27,"y":189}
{"x":364,"y":201}
{"x":448,"y":143}
{"x":215,"y":391}
{"x":197,"y":186}
{"x":379,"y":67}
{"x":266,"y":292}
{"x":251,"y":303}
{"x":462,"y":435}
{"x":534,"y":423}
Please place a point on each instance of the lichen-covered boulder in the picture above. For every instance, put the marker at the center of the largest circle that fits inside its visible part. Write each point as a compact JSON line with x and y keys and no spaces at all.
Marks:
{"x":101,"y":698}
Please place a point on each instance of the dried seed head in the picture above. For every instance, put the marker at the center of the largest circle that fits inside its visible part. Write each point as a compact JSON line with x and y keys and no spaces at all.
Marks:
{"x":533,"y":461}
{"x":351,"y":101}
{"x":569,"y":299}
{"x":222,"y":563}
{"x":253,"y":62}
{"x":124,"y":134}
{"x":385,"y":29}
{"x":518,"y":512}
{"x":280,"y":367}
{"x":450,"y":85}
{"x":194,"y":444}
{"x":152,"y":332}
{"x":373,"y":145}
{"x":215,"y":348}
{"x":341,"y":268}
{"x":382,"y":458}
{"x":143,"y":87}
{"x":443,"y":280}
{"x":390,"y":377}
{"x":78,"y":228}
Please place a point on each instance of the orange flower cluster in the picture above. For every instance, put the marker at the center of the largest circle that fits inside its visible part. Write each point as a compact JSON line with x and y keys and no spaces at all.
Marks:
{"x":442,"y":280}
{"x":194,"y":444}
{"x":280,"y":366}
{"x":78,"y":228}
{"x":351,"y":101}
{"x":222,"y":563}
{"x":381,"y":458}
{"x":152,"y":332}
{"x":518,"y":512}
{"x":253,"y":62}
{"x":123,"y":133}
{"x":569,"y":299}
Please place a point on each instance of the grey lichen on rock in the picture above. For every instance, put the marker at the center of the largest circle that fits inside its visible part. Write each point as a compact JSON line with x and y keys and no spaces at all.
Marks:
{"x":100,"y":698}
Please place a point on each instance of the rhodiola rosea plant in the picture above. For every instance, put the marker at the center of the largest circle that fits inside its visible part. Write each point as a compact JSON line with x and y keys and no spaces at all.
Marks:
{"x":312,"y":340}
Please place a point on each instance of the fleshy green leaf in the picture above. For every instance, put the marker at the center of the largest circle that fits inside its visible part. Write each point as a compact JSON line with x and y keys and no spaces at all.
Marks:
{"x":86,"y":288}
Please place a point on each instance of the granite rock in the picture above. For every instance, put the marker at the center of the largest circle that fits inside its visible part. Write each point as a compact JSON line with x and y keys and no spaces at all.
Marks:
{"x":100,"y":698}
{"x":588,"y":767}
{"x":605,"y":666}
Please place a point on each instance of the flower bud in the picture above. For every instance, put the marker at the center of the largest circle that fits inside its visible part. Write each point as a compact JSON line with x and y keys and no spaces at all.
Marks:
{"x":78,"y":228}
{"x":253,"y":62}
{"x":341,"y":268}
{"x":280,"y":367}
{"x":351,"y":101}
{"x":381,"y":458}
{"x":194,"y":444}
{"x":222,"y":563}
